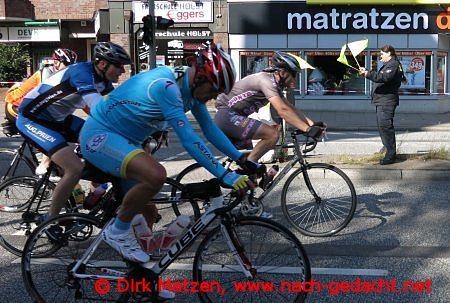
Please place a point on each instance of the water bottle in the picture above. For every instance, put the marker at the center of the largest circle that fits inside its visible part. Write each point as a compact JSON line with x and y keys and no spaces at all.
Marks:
{"x":268,"y":177}
{"x":78,"y":194}
{"x":94,"y":197}
{"x":174,"y":231}
{"x":143,"y":233}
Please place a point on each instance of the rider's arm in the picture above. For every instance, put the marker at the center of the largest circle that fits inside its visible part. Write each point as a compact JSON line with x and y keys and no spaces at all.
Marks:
{"x":195,"y":146}
{"x":16,"y":95}
{"x":213,"y":133}
{"x":291,"y":115}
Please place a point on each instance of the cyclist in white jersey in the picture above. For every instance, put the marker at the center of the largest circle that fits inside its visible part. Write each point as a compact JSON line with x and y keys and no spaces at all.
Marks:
{"x":112,"y":136}
{"x":46,"y":113}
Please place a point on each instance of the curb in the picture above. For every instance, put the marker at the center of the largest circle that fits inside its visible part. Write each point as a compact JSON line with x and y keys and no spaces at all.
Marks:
{"x":396,"y":174}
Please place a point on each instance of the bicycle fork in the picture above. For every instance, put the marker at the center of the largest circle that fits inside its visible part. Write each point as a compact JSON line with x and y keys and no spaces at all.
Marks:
{"x":237,"y":249}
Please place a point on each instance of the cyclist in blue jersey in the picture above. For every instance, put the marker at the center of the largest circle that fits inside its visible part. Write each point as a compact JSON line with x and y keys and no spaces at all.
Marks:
{"x":112,"y":136}
{"x":46,"y":113}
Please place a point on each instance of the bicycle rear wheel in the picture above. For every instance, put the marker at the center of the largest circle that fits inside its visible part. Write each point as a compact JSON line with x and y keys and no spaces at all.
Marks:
{"x":15,"y":196}
{"x":46,"y":263}
{"x":191,"y":174}
{"x":275,"y":255}
{"x":12,"y":165}
{"x":328,"y":210}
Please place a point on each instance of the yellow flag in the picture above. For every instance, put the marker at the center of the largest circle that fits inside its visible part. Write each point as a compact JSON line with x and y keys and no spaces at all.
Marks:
{"x":342,"y":57}
{"x":358,"y":46}
{"x":302,"y":62}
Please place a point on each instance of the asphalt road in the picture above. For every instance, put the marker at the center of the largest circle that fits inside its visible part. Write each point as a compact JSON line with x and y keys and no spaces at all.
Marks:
{"x":399,"y":234}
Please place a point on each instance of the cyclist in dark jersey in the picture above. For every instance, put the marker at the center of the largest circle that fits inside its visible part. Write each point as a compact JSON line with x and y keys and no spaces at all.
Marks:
{"x":46,"y":114}
{"x":255,"y":91}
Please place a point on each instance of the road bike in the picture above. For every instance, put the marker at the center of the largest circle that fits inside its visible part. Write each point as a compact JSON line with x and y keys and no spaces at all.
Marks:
{"x":318,"y":199}
{"x":24,"y":199}
{"x":21,"y":161}
{"x":228,"y":249}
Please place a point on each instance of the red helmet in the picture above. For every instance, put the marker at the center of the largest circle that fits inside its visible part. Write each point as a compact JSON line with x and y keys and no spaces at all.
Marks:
{"x":65,"y":56}
{"x":214,"y":64}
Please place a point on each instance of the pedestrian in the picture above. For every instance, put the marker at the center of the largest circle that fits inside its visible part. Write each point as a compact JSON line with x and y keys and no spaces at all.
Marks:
{"x":387,"y":81}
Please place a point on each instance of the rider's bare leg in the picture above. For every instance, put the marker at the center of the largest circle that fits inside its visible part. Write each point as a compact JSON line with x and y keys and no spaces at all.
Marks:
{"x":268,"y":136}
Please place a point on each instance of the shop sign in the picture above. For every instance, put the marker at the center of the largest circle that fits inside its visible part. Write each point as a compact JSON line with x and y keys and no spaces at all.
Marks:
{"x":178,"y":11}
{"x":246,"y":18}
{"x":28,"y":33}
{"x":184,"y":33}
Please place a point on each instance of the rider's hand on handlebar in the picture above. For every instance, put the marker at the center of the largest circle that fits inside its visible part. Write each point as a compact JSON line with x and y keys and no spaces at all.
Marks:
{"x":250,"y":167}
{"x":238,"y":182}
{"x":315,"y":132}
{"x":320,"y":124}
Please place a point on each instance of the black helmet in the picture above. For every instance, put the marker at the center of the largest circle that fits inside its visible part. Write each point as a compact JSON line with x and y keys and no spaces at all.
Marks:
{"x":65,"y":55}
{"x":111,"y":52}
{"x":281,"y":60}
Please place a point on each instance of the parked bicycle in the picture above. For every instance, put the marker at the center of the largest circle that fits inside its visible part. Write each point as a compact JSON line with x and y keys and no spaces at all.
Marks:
{"x":318,"y":199}
{"x":238,"y":249}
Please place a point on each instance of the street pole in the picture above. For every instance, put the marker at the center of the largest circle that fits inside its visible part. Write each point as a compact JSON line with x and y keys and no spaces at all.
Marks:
{"x":152,"y":47}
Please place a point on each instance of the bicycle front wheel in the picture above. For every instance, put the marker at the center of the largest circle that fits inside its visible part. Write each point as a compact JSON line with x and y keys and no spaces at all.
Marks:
{"x":15,"y":196}
{"x":320,"y":201}
{"x":274,"y":255}
{"x":52,"y":251}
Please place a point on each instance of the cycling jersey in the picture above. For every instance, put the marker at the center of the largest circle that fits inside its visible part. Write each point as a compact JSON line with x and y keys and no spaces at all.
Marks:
{"x":145,"y":103}
{"x":61,"y":94}
{"x":250,"y":94}
{"x":46,"y":113}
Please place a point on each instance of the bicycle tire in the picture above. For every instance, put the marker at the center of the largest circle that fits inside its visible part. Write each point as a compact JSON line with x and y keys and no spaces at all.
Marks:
{"x":326,"y":216}
{"x":15,"y":196}
{"x":214,"y":262}
{"x":45,"y":264}
{"x":191,"y":174}
{"x":23,"y":166}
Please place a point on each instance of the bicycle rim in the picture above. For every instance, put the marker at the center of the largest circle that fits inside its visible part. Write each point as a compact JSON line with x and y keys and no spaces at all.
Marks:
{"x":326,"y":214}
{"x":15,"y":197}
{"x":278,"y":265}
{"x":46,"y":264}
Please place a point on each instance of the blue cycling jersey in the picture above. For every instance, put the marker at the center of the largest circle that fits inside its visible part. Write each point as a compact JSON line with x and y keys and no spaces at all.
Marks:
{"x":57,"y":97}
{"x":154,"y":100}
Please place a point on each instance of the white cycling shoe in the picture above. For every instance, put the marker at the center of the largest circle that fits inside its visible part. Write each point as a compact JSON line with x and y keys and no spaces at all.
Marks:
{"x":126,"y":244}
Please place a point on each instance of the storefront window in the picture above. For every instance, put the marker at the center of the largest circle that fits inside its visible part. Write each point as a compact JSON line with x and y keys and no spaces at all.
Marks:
{"x":332,"y":77}
{"x":254,"y":62}
{"x":416,"y":66}
{"x":440,"y":73}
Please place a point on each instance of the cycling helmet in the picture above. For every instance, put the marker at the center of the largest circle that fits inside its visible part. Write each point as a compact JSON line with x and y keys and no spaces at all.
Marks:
{"x":281,"y":60}
{"x":111,"y":52}
{"x":215,"y":66}
{"x":65,"y":56}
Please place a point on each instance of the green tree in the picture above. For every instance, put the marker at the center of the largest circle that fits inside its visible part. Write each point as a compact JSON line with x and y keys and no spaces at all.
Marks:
{"x":13,"y":61}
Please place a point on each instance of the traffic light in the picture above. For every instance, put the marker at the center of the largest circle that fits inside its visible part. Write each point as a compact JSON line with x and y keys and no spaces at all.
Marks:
{"x":148,"y":29}
{"x":163,"y":23}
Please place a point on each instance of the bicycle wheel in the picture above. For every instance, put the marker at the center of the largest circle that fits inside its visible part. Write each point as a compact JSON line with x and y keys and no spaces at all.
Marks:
{"x":13,"y":165}
{"x":46,"y":263}
{"x":328,"y":210}
{"x":15,"y":196}
{"x":197,"y":173}
{"x":277,"y":266}
{"x":191,"y":174}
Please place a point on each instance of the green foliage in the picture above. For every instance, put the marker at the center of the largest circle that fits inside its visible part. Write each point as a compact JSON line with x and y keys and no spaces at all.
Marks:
{"x":13,"y":61}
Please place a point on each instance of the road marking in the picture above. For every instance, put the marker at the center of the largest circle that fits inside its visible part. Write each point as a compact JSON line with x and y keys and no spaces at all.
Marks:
{"x":227,"y":268}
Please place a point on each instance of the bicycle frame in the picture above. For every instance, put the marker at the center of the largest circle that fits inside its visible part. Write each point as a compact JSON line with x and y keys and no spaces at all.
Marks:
{"x":176,"y":249}
{"x":19,"y":155}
